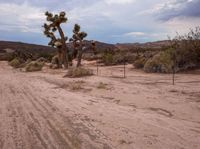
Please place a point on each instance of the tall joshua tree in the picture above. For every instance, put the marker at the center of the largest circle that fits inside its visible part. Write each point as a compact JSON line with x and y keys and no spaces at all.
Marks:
{"x":77,"y":40}
{"x":93,"y":47}
{"x":53,"y":25}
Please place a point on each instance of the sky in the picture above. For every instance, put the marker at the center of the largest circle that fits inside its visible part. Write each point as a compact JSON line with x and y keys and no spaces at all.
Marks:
{"x":110,"y":21}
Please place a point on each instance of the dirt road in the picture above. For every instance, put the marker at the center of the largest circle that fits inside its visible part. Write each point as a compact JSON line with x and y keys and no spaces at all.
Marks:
{"x":45,"y":111}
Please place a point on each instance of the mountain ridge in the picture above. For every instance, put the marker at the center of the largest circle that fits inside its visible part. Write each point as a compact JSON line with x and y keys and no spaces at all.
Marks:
{"x":11,"y":46}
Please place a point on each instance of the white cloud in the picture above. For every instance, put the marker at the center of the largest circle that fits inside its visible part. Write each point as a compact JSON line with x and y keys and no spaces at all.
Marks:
{"x":24,"y":17}
{"x":119,"y":1}
{"x":134,"y":34}
{"x":181,"y":24}
{"x":143,"y":34}
{"x":167,"y":10}
{"x":105,"y":20}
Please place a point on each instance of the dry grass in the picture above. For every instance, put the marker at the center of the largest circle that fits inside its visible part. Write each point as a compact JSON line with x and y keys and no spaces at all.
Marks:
{"x":102,"y":85}
{"x":71,"y":85}
{"x":34,"y":66}
{"x":16,"y":63}
{"x":77,"y":85}
{"x":79,"y":72}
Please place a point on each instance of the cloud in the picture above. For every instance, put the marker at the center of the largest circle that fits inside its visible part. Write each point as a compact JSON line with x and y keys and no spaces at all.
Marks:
{"x":135,"y":34}
{"x":178,"y":8}
{"x":52,"y":5}
{"x":24,"y":17}
{"x":119,"y":1}
{"x":100,"y":19}
{"x":181,"y":24}
{"x":105,"y":20}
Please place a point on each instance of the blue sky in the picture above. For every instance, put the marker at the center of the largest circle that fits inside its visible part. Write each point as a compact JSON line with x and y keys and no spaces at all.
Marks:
{"x":111,"y":21}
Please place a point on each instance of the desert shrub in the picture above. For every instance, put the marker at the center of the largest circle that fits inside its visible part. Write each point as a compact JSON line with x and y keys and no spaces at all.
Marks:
{"x":46,"y":55}
{"x":34,"y":66}
{"x":42,"y":59}
{"x":76,"y":87}
{"x":131,"y":57}
{"x":183,"y":54}
{"x":55,"y":62}
{"x":79,"y":72}
{"x":9,"y":57}
{"x":108,"y":59}
{"x":161,"y":62}
{"x":140,"y":62}
{"x":118,"y":58}
{"x":91,"y":57}
{"x":102,"y":85}
{"x":113,"y":58}
{"x":16,"y":63}
{"x":149,"y":54}
{"x":6,"y":57}
{"x":187,"y":50}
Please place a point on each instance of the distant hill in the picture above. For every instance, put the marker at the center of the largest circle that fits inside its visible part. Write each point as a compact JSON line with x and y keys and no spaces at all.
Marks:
{"x":33,"y":49}
{"x":40,"y":48}
{"x":8,"y":46}
{"x":101,"y":46}
{"x":24,"y":46}
{"x":148,"y":45}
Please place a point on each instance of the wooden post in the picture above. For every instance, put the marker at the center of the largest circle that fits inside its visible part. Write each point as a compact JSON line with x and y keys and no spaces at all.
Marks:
{"x":97,"y":69}
{"x":173,"y":76}
{"x":174,"y":67}
{"x":124,"y":68}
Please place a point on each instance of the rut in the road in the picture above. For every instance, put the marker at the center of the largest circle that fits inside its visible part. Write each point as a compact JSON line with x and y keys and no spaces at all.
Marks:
{"x":32,"y":121}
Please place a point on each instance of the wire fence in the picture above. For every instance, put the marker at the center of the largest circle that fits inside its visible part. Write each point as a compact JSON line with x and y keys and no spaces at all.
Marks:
{"x":118,"y":71}
{"x":122,"y":72}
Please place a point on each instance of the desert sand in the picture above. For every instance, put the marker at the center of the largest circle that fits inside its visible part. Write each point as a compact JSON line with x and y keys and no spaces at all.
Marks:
{"x":43,"y":110}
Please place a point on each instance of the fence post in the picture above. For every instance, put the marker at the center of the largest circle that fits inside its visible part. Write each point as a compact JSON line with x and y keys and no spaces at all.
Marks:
{"x":124,"y":68}
{"x":173,"y":76}
{"x":97,"y":69}
{"x":174,"y":66}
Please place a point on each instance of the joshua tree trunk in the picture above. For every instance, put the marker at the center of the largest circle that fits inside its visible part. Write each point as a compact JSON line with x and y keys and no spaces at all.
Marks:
{"x":80,"y":53}
{"x":59,"y":58}
{"x":64,"y":48}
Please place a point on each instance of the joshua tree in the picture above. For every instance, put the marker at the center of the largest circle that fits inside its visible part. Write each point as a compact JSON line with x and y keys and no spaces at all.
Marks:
{"x":77,"y":40}
{"x":54,"y":24}
{"x":93,"y":47}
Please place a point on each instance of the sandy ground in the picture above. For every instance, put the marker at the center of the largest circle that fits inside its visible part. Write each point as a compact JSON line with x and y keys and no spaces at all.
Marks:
{"x":43,"y":110}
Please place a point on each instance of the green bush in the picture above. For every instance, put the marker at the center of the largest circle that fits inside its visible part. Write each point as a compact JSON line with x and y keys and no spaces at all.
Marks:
{"x":46,"y":55}
{"x":161,"y":63}
{"x":55,"y":62}
{"x":42,"y":59}
{"x":108,"y":59}
{"x":91,"y":57}
{"x":9,"y":57}
{"x":16,"y":63}
{"x":118,"y":58}
{"x":79,"y":72}
{"x":131,"y":57}
{"x":140,"y":62}
{"x":102,"y":85}
{"x":34,"y":66}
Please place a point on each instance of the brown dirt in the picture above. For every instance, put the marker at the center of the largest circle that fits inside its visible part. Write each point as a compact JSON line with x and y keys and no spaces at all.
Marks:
{"x":42,"y":110}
